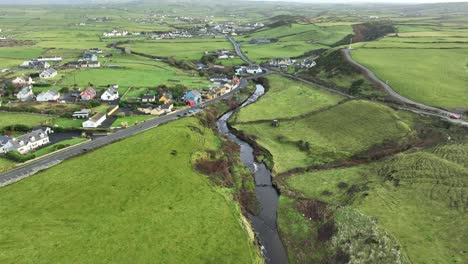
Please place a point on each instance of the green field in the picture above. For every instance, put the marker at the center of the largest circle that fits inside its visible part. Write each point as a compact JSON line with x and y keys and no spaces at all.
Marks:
{"x":337,"y":133}
{"x":32,"y":120}
{"x":5,"y":164}
{"x":130,"y":120}
{"x":420,"y":198}
{"x":435,"y":77}
{"x":287,"y":98}
{"x":149,"y":205}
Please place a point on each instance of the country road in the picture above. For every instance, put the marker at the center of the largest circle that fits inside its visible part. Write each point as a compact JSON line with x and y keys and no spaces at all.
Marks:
{"x":238,"y":50}
{"x":46,"y":162}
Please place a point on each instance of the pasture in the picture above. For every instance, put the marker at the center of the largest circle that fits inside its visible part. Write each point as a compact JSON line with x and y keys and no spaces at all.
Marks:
{"x":287,"y":98}
{"x":149,"y":205}
{"x":32,"y":120}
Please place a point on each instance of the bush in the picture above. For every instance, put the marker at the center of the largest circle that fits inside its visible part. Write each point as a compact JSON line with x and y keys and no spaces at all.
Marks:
{"x":17,"y":128}
{"x":18,"y":157}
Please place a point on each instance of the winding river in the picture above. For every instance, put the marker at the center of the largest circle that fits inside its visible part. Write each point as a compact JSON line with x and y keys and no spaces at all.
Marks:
{"x":264,"y":223}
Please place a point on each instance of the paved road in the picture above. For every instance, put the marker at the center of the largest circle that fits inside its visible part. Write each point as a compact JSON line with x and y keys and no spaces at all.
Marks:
{"x":35,"y":166}
{"x":238,"y":50}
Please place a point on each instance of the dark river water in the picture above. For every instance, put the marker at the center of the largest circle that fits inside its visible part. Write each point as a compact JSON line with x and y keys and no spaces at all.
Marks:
{"x":264,"y":223}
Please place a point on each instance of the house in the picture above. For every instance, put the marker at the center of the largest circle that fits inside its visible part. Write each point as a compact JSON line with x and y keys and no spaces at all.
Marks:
{"x":48,"y":73}
{"x":260,"y":41}
{"x":151,"y":110}
{"x":35,"y":65}
{"x":89,"y":57}
{"x":166,"y":98}
{"x":219,"y":78}
{"x":55,"y":58}
{"x":25,"y":143}
{"x":50,"y":95}
{"x":281,"y":62}
{"x":89,"y":64}
{"x":254,"y":69}
{"x":148,"y":98}
{"x":201,"y":66}
{"x":25,"y":94}
{"x":167,"y":107}
{"x":88,"y":94}
{"x":84,"y":113}
{"x":110,"y":94}
{"x":22,"y":81}
{"x":95,"y":121}
{"x":192,"y":97}
{"x":308,"y":63}
{"x":95,"y":50}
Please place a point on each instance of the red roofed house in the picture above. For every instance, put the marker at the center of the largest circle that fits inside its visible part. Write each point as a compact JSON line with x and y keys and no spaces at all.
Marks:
{"x":88,"y":94}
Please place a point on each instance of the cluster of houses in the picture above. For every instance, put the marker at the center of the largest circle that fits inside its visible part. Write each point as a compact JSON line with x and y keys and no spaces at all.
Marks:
{"x":286,"y":62}
{"x":88,"y":60}
{"x":42,"y":63}
{"x":25,"y":143}
{"x":172,"y":35}
{"x":26,"y":92}
{"x":115,"y":33}
{"x":225,"y":54}
{"x":253,"y":69}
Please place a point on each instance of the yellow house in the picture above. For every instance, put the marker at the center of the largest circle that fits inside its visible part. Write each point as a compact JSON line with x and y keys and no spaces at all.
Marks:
{"x":166,"y":98}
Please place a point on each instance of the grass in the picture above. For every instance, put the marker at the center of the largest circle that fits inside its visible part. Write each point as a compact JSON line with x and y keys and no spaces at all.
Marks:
{"x":5,"y":164}
{"x":130,"y":120}
{"x":51,"y":148}
{"x":417,"y":197}
{"x":435,"y":77}
{"x":32,"y":120}
{"x":149,"y":205}
{"x":335,"y":134}
{"x":68,"y":122}
{"x":287,"y":98}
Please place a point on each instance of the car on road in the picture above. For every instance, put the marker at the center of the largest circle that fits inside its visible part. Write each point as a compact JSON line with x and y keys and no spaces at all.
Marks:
{"x":454,"y":116}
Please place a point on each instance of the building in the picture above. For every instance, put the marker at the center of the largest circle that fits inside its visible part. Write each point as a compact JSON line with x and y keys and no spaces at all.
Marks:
{"x":281,"y":62}
{"x":95,"y":50}
{"x":22,"y":81}
{"x":219,"y":78}
{"x":50,"y":95}
{"x":148,"y":98}
{"x":260,"y":41}
{"x":95,"y":121}
{"x":89,"y":64}
{"x":308,"y":63}
{"x":192,"y":97}
{"x":254,"y":69}
{"x":84,"y":113}
{"x":89,"y":57}
{"x":55,"y":58}
{"x":48,"y":73}
{"x":88,"y":94}
{"x":110,"y":94}
{"x":166,"y":98}
{"x":25,"y":94}
{"x":35,"y":64}
{"x":25,"y":143}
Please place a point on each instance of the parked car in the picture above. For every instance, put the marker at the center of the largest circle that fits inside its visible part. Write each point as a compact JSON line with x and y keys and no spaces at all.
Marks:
{"x":454,"y":116}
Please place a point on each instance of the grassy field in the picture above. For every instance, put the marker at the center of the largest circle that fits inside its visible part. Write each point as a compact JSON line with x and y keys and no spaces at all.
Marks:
{"x":149,"y":205}
{"x":432,"y":76}
{"x":335,"y":134}
{"x":287,"y":98}
{"x":7,"y":119}
{"x":130,"y":120}
{"x":5,"y":164}
{"x":418,"y":197}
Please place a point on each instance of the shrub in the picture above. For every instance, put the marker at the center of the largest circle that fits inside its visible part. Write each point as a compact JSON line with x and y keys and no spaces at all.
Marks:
{"x":18,"y":157}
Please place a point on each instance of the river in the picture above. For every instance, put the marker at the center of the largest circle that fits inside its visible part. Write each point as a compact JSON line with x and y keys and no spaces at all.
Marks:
{"x":264,"y":223}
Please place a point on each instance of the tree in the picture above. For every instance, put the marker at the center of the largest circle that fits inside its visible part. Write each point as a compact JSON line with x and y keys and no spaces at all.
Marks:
{"x":178,"y":91}
{"x":356,"y":87}
{"x":64,"y":90}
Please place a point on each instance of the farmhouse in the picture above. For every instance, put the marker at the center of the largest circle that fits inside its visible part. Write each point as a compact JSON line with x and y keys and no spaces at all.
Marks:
{"x":84,"y":113}
{"x":88,"y":94}
{"x":50,"y":95}
{"x":25,"y":94}
{"x":22,"y":81}
{"x":25,"y":143}
{"x":95,"y":121}
{"x":35,"y":64}
{"x":110,"y":94}
{"x":89,"y":57}
{"x":148,"y":98}
{"x":48,"y":73}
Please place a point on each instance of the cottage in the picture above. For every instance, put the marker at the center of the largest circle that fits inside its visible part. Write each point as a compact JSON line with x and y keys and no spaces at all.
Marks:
{"x":25,"y":143}
{"x":95,"y":121}
{"x":22,"y":81}
{"x":110,"y":94}
{"x":308,"y":64}
{"x":192,"y":97}
{"x":88,"y":94}
{"x":48,"y":73}
{"x":50,"y":95}
{"x":95,"y":50}
{"x":35,"y":65}
{"x":148,"y":98}
{"x":89,"y":64}
{"x":89,"y":57}
{"x":25,"y":94}
{"x":219,"y":78}
{"x":254,"y":69}
{"x":201,"y":66}
{"x":166,"y":98}
{"x":84,"y":113}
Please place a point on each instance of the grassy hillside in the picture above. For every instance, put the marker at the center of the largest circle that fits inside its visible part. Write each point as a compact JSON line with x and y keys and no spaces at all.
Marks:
{"x":418,"y":197}
{"x":334,"y":134}
{"x":137,"y":204}
{"x":287,"y":98}
{"x":432,"y":76}
{"x":7,"y":119}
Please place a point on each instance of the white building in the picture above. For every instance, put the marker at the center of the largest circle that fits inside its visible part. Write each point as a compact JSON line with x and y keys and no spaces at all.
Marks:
{"x":95,"y":121}
{"x":50,"y":95}
{"x":84,"y":113}
{"x":25,"y":94}
{"x":48,"y":73}
{"x":22,"y":81}
{"x":57,"y":59}
{"x":110,"y":94}
{"x":25,"y":143}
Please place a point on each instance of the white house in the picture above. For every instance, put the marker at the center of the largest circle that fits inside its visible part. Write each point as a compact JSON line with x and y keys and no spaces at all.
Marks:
{"x":254,"y":69}
{"x":48,"y":73}
{"x":35,"y":64}
{"x":110,"y":94}
{"x":95,"y":121}
{"x":22,"y":81}
{"x":49,"y":58}
{"x":84,"y":113}
{"x":90,"y":57}
{"x":50,"y":95}
{"x":25,"y":143}
{"x":25,"y":94}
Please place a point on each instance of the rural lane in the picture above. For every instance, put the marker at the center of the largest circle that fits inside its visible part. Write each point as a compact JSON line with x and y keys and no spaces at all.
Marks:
{"x":46,"y":162}
{"x":238,"y":50}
